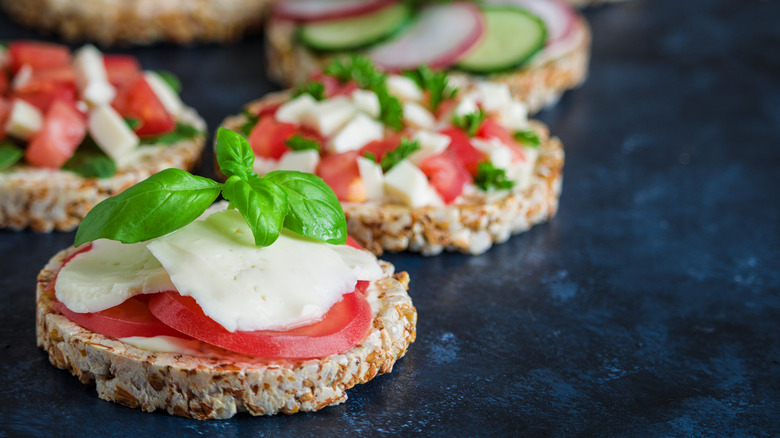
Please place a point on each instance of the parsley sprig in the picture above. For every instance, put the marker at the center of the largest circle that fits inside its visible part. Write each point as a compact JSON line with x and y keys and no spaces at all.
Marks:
{"x":172,"y":198}
{"x":402,"y":151}
{"x":436,"y":83}
{"x":527,"y":137}
{"x":488,"y":176}
{"x":314,"y":89}
{"x":471,"y":122}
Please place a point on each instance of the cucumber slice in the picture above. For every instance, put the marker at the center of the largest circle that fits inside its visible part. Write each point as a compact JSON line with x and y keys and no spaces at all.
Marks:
{"x":512,"y":37}
{"x":355,"y":32}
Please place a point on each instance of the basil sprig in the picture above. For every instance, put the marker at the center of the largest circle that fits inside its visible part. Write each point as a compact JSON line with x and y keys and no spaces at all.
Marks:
{"x":171,"y":199}
{"x":10,"y":154}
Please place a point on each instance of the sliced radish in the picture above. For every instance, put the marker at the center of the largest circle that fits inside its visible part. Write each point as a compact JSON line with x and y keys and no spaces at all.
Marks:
{"x":559,"y":17}
{"x":439,"y":37}
{"x":321,"y":10}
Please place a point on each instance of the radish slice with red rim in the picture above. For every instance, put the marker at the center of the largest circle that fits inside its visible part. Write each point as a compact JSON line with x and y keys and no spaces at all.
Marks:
{"x":439,"y":36}
{"x":559,"y":18}
{"x":321,"y":10}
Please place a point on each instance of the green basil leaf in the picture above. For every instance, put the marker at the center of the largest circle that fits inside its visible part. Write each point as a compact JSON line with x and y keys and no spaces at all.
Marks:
{"x":132,"y":123}
{"x":10,"y":154}
{"x":528,"y":137}
{"x":262,"y":204}
{"x":170,"y":79}
{"x":162,"y":203}
{"x":314,"y":209}
{"x":301,"y":143}
{"x":234,"y":155}
{"x":182,"y":132}
{"x":249,"y":123}
{"x":90,"y":161}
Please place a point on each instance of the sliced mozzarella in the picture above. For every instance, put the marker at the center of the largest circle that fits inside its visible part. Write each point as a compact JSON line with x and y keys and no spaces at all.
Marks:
{"x":417,"y":116}
{"x":405,"y":182}
{"x":404,"y":88}
{"x":521,"y":172}
{"x":169,"y":98}
{"x":366,"y":101}
{"x":514,"y":116}
{"x":24,"y":120}
{"x":108,"y":274}
{"x":302,"y":161}
{"x":372,"y":177}
{"x":22,"y":77}
{"x":111,"y":133}
{"x":166,"y":344}
{"x":241,"y":286}
{"x":293,"y":110}
{"x":497,"y":152}
{"x":262,"y":165}
{"x":431,"y":143}
{"x":494,"y":97}
{"x":91,"y":76}
{"x":360,"y":131}
{"x":330,"y":115}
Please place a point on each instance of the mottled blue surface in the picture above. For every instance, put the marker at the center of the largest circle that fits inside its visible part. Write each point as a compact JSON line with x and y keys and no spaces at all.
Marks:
{"x":649,"y":307}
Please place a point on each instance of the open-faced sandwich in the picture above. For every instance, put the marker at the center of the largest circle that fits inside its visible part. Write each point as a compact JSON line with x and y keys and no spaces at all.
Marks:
{"x":259,"y":306}
{"x":539,"y":48}
{"x":78,"y":128}
{"x":417,"y":163}
{"x":141,"y":21}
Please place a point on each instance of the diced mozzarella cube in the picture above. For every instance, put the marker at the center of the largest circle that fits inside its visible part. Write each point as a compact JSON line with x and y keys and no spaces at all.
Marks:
{"x":91,"y":76}
{"x":408,"y":184}
{"x":366,"y":101}
{"x":514,"y":116}
{"x":497,"y":153}
{"x":302,"y":161}
{"x":24,"y":120}
{"x":98,"y":93}
{"x":373,"y":179}
{"x":404,"y":88}
{"x":431,"y":143}
{"x":361,"y":130}
{"x":330,"y":115}
{"x":494,"y":96}
{"x":417,"y":116}
{"x":264,"y":165}
{"x":169,"y":98}
{"x":111,"y":133}
{"x":293,"y":111}
{"x":22,"y":77}
{"x":467,"y":105}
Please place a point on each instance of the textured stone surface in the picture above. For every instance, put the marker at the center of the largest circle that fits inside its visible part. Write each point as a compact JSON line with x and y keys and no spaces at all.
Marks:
{"x":650,"y":306}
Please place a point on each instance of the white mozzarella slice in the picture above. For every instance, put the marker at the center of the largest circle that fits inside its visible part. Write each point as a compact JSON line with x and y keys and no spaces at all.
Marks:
{"x":330,"y":115}
{"x":91,"y":76}
{"x":22,"y":77}
{"x":366,"y":101}
{"x":24,"y":121}
{"x":169,"y":98}
{"x":405,"y":182}
{"x":293,"y":110}
{"x":494,"y":97}
{"x":111,"y":133}
{"x":404,"y":88}
{"x":431,"y":143}
{"x":358,"y":132}
{"x":417,"y":116}
{"x":497,"y":152}
{"x":514,"y":116}
{"x":302,"y":161}
{"x":262,"y":165}
{"x":373,"y":179}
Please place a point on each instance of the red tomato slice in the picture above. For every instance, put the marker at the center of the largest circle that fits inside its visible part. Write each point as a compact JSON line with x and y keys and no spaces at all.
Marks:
{"x":341,"y":173}
{"x":42,"y":94}
{"x":121,"y":69}
{"x":64,"y":127}
{"x":446,"y":174}
{"x":268,"y":137}
{"x":492,"y":129}
{"x":5,"y":85}
{"x":334,"y":87}
{"x":139,"y":102}
{"x":460,"y":144}
{"x":37,"y":55}
{"x":63,"y":73}
{"x":381,"y":147}
{"x":344,"y":326}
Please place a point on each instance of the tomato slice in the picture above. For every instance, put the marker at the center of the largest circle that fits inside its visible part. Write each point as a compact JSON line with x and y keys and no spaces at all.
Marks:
{"x":460,"y":143}
{"x":5,"y":84}
{"x":379,"y":148}
{"x":37,"y":55}
{"x":342,"y":327}
{"x":41,"y":94}
{"x":341,"y":173}
{"x":139,"y":102}
{"x":121,"y":69}
{"x":268,"y":137}
{"x":64,"y":127}
{"x":446,"y":174}
{"x":492,"y":129}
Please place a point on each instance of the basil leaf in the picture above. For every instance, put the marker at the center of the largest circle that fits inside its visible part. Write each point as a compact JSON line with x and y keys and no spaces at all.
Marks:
{"x":90,"y":161}
{"x":262,"y":204}
{"x":182,"y":132}
{"x":249,"y":123}
{"x":10,"y":154}
{"x":300,"y":143}
{"x":164,"y":202}
{"x":528,"y":137}
{"x":170,"y":79}
{"x":132,"y":123}
{"x":314,"y":210}
{"x":234,"y":155}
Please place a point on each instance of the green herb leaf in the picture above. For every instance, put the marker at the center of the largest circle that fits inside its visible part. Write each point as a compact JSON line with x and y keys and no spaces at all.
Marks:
{"x":90,"y":161}
{"x":10,"y":154}
{"x":182,"y":132}
{"x":436,"y":83}
{"x":489,"y":176}
{"x":249,"y":123}
{"x":132,"y":123}
{"x":300,"y":143}
{"x":471,"y":122}
{"x":528,"y":137}
{"x":406,"y":148}
{"x":170,"y":79}
{"x":391,"y":112}
{"x":315,"y":89}
{"x":234,"y":155}
{"x":163,"y":203}
{"x":370,"y":156}
{"x":262,"y":203}
{"x":314,"y":209}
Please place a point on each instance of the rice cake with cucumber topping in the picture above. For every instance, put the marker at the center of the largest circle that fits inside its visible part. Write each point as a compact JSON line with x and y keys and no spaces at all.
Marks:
{"x":76,"y":129}
{"x":417,"y":163}
{"x":539,"y":48}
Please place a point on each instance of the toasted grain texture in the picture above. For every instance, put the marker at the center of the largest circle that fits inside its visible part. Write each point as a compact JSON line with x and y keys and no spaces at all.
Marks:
{"x":221,"y":384}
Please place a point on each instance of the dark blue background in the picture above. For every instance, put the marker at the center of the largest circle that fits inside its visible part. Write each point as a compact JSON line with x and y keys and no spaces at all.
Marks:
{"x":649,"y":306}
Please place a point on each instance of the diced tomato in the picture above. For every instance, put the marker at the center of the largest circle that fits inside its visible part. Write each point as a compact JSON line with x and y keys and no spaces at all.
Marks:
{"x":342,"y":327}
{"x":333,"y":87}
{"x":5,"y":110}
{"x":381,"y":147}
{"x":446,"y":174}
{"x":492,"y":129}
{"x":38,"y":55}
{"x":460,"y":144}
{"x":341,"y":173}
{"x":63,"y":73}
{"x":445,"y":108}
{"x":64,"y":127}
{"x":268,"y":137}
{"x":42,"y":94}
{"x":139,"y":102}
{"x":269,"y":109}
{"x":4,"y":83}
{"x":121,"y":69}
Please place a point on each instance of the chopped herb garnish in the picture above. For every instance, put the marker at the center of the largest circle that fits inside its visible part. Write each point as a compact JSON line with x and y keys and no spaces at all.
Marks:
{"x":249,"y":123}
{"x":314,"y":89}
{"x":170,"y":79}
{"x":131,"y":123}
{"x":90,"y":161}
{"x":406,"y":148}
{"x":436,"y":83}
{"x":370,"y":156}
{"x":300,"y":143}
{"x":10,"y":154}
{"x":527,"y":137}
{"x":182,"y":132}
{"x":489,"y":176}
{"x":470,"y":123}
